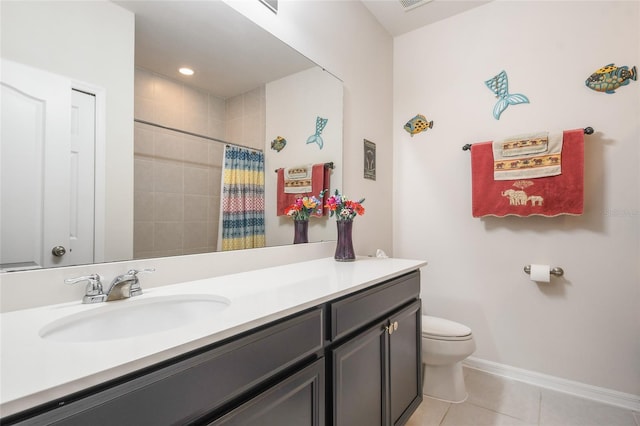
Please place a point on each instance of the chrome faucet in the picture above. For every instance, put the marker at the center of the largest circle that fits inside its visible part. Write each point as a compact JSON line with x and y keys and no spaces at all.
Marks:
{"x":122,"y":287}
{"x":126,"y":285}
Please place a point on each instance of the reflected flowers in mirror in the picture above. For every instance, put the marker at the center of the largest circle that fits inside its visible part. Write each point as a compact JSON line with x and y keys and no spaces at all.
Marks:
{"x":304,"y":207}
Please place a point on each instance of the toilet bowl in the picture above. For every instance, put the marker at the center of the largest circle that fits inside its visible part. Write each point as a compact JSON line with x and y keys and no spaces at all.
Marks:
{"x":445,"y":344}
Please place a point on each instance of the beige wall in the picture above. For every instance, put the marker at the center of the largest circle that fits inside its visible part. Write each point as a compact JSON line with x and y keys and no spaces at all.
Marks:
{"x":293,"y":110}
{"x":178,"y":176}
{"x":583,"y":327}
{"x":541,"y":329}
{"x":245,"y":119}
{"x":345,"y":39}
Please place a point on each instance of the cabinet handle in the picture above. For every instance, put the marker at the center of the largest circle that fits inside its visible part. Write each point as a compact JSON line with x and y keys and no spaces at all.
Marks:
{"x":392,"y":327}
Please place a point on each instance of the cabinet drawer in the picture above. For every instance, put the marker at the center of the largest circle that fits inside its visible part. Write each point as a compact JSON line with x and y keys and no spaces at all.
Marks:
{"x":298,"y":400}
{"x":357,"y":310}
{"x":191,"y":388}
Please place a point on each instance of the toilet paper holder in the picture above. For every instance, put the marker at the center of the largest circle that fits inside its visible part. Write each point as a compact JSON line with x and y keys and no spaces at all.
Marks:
{"x":557,"y":271}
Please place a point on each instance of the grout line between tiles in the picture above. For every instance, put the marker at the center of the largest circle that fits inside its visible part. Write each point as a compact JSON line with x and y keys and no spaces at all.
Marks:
{"x":539,"y":408}
{"x":499,"y":412}
{"x":445,"y":415}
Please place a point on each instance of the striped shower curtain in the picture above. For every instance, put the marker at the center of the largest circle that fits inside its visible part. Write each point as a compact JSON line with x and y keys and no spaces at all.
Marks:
{"x":242,"y":199}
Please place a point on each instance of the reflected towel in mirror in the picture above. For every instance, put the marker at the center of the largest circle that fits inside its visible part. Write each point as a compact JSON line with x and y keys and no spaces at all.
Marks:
{"x":320,"y":180}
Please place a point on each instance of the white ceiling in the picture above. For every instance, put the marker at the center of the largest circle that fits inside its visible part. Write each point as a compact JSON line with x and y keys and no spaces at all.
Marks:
{"x":229,"y":53}
{"x":393,"y":16}
{"x":232,"y":55}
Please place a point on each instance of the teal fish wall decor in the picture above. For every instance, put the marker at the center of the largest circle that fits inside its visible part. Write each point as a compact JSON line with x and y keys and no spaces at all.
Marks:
{"x":316,"y":138}
{"x":499,"y":85}
{"x":608,"y":78}
{"x":418,"y":124}
{"x":278,"y":143}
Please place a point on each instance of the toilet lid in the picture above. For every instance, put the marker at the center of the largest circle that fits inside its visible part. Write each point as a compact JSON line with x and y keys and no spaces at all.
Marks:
{"x":440,"y":327}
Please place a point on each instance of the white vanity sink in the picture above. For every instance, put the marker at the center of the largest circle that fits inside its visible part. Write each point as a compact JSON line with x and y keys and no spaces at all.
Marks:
{"x":134,"y":317}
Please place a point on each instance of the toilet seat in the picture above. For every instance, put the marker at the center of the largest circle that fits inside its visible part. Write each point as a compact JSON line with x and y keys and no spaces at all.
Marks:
{"x":442,"y":329}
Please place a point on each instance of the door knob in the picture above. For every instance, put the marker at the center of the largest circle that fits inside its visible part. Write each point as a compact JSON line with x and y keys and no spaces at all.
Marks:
{"x":58,"y":251}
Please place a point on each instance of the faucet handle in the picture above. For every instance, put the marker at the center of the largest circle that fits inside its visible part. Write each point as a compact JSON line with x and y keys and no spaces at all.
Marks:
{"x":135,"y":289}
{"x":93,"y":292}
{"x":135,"y":272}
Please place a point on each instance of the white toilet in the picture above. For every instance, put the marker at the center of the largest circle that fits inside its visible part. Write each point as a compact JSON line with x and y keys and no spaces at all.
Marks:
{"x":445,"y":344}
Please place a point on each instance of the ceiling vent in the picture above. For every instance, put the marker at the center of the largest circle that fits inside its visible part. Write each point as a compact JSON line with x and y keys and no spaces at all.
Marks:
{"x":408,"y":5}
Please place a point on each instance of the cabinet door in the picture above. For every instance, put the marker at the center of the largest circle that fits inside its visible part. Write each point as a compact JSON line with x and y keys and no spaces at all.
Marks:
{"x":360,"y":379}
{"x":405,"y":364}
{"x":297,"y":400}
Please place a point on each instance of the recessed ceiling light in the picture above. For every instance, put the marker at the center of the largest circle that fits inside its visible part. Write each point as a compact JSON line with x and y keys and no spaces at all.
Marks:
{"x":186,"y":71}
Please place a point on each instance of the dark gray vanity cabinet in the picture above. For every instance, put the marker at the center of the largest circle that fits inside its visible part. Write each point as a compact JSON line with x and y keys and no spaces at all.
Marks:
{"x":201,"y":386}
{"x":376,"y":371}
{"x":352,"y":361}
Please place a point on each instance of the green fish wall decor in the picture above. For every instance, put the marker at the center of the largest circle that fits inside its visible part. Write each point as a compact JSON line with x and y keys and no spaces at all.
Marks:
{"x":418,"y":124}
{"x":608,"y":78}
{"x":278,"y":143}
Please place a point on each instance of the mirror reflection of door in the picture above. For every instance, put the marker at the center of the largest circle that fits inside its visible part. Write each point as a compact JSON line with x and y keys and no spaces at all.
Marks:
{"x":44,"y":124}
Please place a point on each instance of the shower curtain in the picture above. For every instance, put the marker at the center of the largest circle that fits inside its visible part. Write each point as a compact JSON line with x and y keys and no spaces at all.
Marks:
{"x":242,"y":199}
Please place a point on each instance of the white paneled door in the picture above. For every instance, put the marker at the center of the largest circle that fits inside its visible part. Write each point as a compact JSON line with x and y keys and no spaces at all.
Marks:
{"x":47,"y":170}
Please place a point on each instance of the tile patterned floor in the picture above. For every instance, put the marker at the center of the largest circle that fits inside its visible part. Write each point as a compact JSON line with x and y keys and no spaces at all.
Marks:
{"x":497,"y":401}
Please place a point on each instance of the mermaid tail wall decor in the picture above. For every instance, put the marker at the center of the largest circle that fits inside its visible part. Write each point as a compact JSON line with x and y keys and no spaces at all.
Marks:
{"x":499,"y":85}
{"x":316,"y":138}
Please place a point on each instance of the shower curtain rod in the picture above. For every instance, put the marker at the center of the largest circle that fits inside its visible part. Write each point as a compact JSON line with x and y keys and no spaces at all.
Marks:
{"x":184,"y":132}
{"x":587,"y":131}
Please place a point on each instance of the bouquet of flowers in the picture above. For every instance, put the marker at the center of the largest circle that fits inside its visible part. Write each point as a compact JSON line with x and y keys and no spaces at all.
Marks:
{"x":343,"y":208}
{"x":304,"y":207}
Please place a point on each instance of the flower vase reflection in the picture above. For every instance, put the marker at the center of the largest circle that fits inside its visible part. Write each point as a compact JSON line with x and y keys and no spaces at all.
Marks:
{"x":300,"y":211}
{"x":300,"y":231}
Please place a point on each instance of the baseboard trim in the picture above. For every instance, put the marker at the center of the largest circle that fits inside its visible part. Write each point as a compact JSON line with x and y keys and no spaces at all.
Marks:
{"x":606,"y":396}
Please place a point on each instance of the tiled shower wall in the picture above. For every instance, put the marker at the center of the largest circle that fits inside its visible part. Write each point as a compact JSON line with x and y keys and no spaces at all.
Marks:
{"x":177,"y":177}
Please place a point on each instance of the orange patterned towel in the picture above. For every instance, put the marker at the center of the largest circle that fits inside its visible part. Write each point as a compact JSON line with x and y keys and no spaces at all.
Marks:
{"x":544,"y":196}
{"x":528,"y":156}
{"x":298,"y":180}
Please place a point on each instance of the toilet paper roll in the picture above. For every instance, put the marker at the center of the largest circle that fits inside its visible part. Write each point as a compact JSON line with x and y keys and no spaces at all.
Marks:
{"x":540,"y":273}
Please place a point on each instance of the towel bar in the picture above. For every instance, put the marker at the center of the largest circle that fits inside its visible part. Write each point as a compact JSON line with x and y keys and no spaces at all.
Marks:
{"x":587,"y":131}
{"x":326,"y":166}
{"x":557,"y":271}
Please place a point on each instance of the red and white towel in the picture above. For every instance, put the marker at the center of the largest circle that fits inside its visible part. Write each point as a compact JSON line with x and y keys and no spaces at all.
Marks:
{"x":320,"y":179}
{"x":543,"y":196}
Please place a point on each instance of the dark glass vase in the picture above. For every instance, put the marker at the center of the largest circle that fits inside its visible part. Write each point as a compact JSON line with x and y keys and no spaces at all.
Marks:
{"x":300,"y":231}
{"x":344,"y":245}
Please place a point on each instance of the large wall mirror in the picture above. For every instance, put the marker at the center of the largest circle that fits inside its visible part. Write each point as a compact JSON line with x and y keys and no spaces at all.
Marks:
{"x":109,"y":153}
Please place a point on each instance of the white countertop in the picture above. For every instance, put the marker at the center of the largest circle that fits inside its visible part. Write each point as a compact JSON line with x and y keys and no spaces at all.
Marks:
{"x":34,"y":370}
